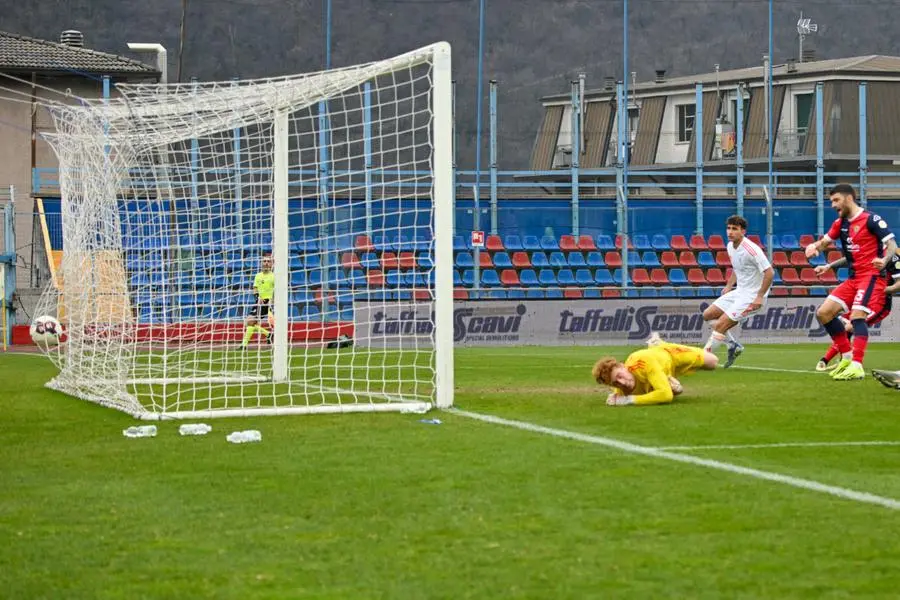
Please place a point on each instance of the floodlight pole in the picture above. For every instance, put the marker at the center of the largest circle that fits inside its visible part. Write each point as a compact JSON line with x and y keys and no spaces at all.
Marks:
{"x":161,"y":58}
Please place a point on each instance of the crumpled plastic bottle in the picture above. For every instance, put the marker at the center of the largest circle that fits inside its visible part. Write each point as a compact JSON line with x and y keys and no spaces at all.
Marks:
{"x":243,"y":437}
{"x":140,"y":431}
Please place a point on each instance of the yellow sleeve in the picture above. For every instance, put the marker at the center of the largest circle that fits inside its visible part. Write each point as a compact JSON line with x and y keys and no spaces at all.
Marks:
{"x":661,"y":390}
{"x":256,"y":282}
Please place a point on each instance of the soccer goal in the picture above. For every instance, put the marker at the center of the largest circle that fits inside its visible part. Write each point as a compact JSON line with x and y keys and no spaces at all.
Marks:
{"x":176,"y":198}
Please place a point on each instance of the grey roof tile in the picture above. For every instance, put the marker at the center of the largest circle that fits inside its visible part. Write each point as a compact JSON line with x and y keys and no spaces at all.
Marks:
{"x":23,"y":53}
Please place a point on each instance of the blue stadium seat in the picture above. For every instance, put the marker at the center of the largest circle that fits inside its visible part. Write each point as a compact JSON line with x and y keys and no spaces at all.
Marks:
{"x":617,"y":276}
{"x":818,"y":291}
{"x":490,"y":278}
{"x":314,"y":278}
{"x":424,"y":260}
{"x":515,"y":294}
{"x":605,"y":242}
{"x":650,"y":259}
{"x":458,"y":243}
{"x":603,"y":277}
{"x":464,"y":260}
{"x":634,"y":259}
{"x":381,"y":243}
{"x":649,"y":293}
{"x":776,"y":242}
{"x":660,"y":242}
{"x":789,"y":241}
{"x":468,"y":277}
{"x":414,"y":279}
{"x":817,"y":260}
{"x":576,"y":259}
{"x":528,"y":278}
{"x":296,"y":297}
{"x":311,"y":261}
{"x":547,"y":277}
{"x":566,"y":277}
{"x":394,"y":278}
{"x":557,"y":259}
{"x":402,"y":243}
{"x":776,"y":280}
{"x":347,"y":314}
{"x":595,"y":259}
{"x":677,"y":277}
{"x":369,"y":260}
{"x":534,"y":294}
{"x":706,"y":259}
{"x":295,"y":262}
{"x":539,"y":260}
{"x":512,"y":242}
{"x":310,"y":312}
{"x":584,"y":277}
{"x":502,"y":260}
{"x":496,"y":294}
{"x":843,"y":274}
{"x":548,"y":242}
{"x":457,"y":279}
{"x":667,"y":293}
{"x":554,"y":293}
{"x":592,"y":293}
{"x":641,"y":242}
{"x":686,"y":292}
{"x":706,"y":292}
{"x":531,"y":243}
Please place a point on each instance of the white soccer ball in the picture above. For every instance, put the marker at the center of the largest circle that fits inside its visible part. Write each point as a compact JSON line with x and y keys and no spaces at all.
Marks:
{"x":45,"y":331}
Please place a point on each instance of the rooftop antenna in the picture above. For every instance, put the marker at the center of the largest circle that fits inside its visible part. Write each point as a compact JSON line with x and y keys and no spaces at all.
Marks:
{"x":804,"y":28}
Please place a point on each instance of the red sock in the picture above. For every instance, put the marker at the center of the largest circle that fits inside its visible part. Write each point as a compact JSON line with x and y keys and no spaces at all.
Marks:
{"x":831,"y":353}
{"x":841,"y":341}
{"x":859,"y":347}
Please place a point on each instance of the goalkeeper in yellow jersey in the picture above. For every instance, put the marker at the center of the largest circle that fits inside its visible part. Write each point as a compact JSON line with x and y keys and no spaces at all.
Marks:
{"x":648,"y":376}
{"x":264,"y":289}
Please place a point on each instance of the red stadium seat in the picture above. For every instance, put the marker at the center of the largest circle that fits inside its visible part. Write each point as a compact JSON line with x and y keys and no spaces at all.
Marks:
{"x":780,"y":259}
{"x":834,"y":255}
{"x":349,"y":260}
{"x":389,"y":261}
{"x":424,"y":295}
{"x":659,"y":277}
{"x":609,"y":293}
{"x":619,"y":243}
{"x":322,"y":296}
{"x":679,"y":243}
{"x":509,"y":277}
{"x":586,"y":242}
{"x":799,"y":291}
{"x":567,"y":243}
{"x":728,"y":272}
{"x":798,"y":259}
{"x":484,"y":260}
{"x":407,"y":260}
{"x":460,"y":294}
{"x":695,"y":277}
{"x":520,"y":260}
{"x":716,"y":242}
{"x":790,"y":276}
{"x":715,"y":276}
{"x":722,"y":259}
{"x":806,"y":239}
{"x":687,"y":259}
{"x":613,"y":259}
{"x":828,"y":277}
{"x":808,"y":276}
{"x":641,"y":277}
{"x":779,"y":291}
{"x":494,"y":243}
{"x":375,"y":278}
{"x":756,"y":240}
{"x":364,"y":244}
{"x":572,"y":293}
{"x":669,"y":259}
{"x":698,"y":243}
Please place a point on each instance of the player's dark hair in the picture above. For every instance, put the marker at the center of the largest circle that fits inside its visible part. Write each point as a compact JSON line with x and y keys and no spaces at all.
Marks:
{"x":737,"y":220}
{"x":843,"y":188}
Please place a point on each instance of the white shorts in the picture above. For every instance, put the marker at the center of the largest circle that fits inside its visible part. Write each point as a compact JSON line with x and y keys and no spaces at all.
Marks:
{"x":734,"y":304}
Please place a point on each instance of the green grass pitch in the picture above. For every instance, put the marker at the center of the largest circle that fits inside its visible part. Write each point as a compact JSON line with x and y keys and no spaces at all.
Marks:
{"x":384,"y":506}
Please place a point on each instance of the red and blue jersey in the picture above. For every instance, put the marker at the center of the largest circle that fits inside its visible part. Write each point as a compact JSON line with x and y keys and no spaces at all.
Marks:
{"x":862,"y":241}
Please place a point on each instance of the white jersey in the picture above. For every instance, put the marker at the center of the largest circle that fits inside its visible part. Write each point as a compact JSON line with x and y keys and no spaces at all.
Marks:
{"x":748,"y":262}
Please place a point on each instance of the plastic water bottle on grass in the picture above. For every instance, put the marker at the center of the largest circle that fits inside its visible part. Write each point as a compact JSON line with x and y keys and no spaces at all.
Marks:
{"x":140,"y":431}
{"x":243,"y":437}
{"x":194,"y":429}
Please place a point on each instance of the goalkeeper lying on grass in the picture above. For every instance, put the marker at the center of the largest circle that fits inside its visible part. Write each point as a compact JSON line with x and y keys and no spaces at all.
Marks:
{"x":648,"y":376}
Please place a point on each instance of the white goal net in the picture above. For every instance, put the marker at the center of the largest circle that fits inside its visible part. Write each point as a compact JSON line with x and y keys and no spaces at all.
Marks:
{"x":176,"y":199}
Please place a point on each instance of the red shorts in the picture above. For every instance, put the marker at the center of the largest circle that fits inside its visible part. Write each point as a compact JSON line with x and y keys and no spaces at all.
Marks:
{"x":862,"y":292}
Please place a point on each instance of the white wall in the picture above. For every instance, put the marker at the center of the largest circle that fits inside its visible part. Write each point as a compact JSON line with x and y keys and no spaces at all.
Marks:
{"x":669,"y":150}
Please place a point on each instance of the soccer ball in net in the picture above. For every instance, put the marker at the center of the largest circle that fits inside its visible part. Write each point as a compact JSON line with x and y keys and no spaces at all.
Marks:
{"x":45,"y":331}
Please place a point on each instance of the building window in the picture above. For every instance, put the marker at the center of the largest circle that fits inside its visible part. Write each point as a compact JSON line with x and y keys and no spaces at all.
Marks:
{"x":685,"y":113}
{"x":746,"y":111}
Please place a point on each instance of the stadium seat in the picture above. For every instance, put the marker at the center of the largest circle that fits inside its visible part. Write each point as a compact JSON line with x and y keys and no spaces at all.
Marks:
{"x":798,"y":259}
{"x":677,"y":277}
{"x":641,"y":242}
{"x":722,"y":259}
{"x":566,"y":277}
{"x":584,"y":277}
{"x":667,"y":293}
{"x":595,"y":259}
{"x":531,"y":243}
{"x":756,"y":240}
{"x":806,"y":239}
{"x":660,"y":242}
{"x":789,"y":241}
{"x":828,"y":277}
{"x":620,"y":242}
{"x":512,"y":242}
{"x":706,"y":292}
{"x":458,"y":244}
{"x":634,"y":259}
{"x":611,"y":293}
{"x":604,"y":242}
{"x":509,"y":277}
{"x":484,"y":260}
{"x":489,"y":278}
{"x":388,"y":260}
{"x":592,"y":293}
{"x":686,"y":292}
{"x":640,"y":277}
{"x":567,"y":243}
{"x":668,"y":259}
{"x":528,"y":278}
{"x":520,"y":260}
{"x":364,"y":244}
{"x":705,"y":259}
{"x":659,"y":277}
{"x":613,"y":259}
{"x":515,"y":294}
{"x":375,"y":278}
{"x":779,"y":291}
{"x":617,"y":276}
{"x":715,"y":276}
{"x":833,"y":255}
{"x":572,"y":293}
{"x":539,"y":260}
{"x":695,"y":277}
{"x":464,"y":260}
{"x":553,"y":293}
{"x":349,"y":260}
{"x":558,"y":259}
{"x":468,"y":277}
{"x":394,"y":278}
{"x":698,"y":242}
{"x":548,"y":242}
{"x":776,"y":243}
{"x":790,"y":276}
{"x":407,"y":260}
{"x":547,"y":277}
{"x":776,"y":280}
{"x":780,"y":259}
{"x":603,"y":277}
{"x":370,"y":261}
{"x":424,"y":260}
{"x":412,"y":279}
{"x":534,"y":294}
{"x":799,"y":291}
{"x":808,"y":276}
{"x":586,"y":243}
{"x":494,"y":243}
{"x":502,"y":260}
{"x":716,"y":242}
{"x":843,"y":274}
{"x":817,"y":260}
{"x":576,"y":259}
{"x":460,"y":294}
{"x":679,"y":243}
{"x":687,"y":259}
{"x":650,"y":259}
{"x":649,"y":292}
{"x":818,"y":291}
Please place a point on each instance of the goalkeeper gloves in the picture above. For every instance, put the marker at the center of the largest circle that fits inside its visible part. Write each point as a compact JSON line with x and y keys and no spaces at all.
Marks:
{"x":616,"y":400}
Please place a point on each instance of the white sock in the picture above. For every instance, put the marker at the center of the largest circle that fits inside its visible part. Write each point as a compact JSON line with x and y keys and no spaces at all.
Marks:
{"x":847,"y":355}
{"x":731,"y":338}
{"x":715,"y":339}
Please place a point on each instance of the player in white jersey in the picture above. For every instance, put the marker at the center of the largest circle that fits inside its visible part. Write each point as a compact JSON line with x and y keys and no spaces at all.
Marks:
{"x":745,"y":293}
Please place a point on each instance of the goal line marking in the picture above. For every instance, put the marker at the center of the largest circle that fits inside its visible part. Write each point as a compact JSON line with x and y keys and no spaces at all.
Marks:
{"x":806,"y":484}
{"x":783,"y":445}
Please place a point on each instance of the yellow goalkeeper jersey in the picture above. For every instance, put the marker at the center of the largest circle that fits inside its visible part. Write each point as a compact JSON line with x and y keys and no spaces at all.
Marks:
{"x":264,"y":283}
{"x":653,"y":367}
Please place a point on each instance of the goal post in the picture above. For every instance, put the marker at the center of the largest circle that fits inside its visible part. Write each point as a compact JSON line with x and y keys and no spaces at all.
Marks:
{"x":176,"y":197}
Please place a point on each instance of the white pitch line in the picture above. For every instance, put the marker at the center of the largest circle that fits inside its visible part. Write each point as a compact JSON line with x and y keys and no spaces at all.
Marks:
{"x":806,"y":484}
{"x":782,"y":445}
{"x":807,"y":372}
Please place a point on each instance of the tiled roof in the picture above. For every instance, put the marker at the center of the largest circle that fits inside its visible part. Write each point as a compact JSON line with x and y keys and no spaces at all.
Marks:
{"x":22,"y":53}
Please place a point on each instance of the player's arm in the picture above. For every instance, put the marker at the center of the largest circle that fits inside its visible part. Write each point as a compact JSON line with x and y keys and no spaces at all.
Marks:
{"x":833,"y":233}
{"x":894,"y":287}
{"x":833,"y":265}
{"x":890,"y":247}
{"x":878,"y":227}
{"x":661,"y":387}
{"x":732,"y":281}
{"x":768,"y":277}
{"x":256,"y":284}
